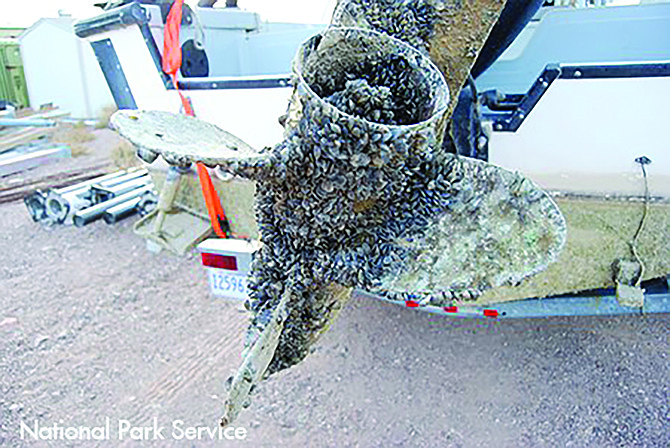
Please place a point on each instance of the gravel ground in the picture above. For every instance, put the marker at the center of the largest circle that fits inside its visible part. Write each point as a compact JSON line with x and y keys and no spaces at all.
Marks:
{"x":93,"y":326}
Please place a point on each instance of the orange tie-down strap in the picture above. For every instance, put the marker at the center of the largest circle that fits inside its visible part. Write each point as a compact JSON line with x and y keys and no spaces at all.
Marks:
{"x":171,"y":64}
{"x":214,"y":208}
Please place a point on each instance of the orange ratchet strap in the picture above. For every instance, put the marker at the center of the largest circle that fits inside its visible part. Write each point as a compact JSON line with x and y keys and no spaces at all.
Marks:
{"x":172,"y":63}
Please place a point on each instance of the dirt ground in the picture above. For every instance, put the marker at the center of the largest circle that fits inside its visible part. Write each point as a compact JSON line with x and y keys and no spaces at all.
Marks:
{"x":93,"y":326}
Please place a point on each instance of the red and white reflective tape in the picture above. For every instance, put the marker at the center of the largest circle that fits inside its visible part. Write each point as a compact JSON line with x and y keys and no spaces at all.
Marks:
{"x":463,"y":311}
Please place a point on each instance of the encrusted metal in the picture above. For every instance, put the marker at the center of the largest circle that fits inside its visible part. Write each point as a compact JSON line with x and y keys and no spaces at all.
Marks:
{"x":451,"y":32}
{"x":337,"y":178}
{"x":360,"y":194}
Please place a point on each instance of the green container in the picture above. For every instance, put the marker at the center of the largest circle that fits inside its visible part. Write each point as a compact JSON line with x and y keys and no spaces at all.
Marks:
{"x":12,"y":80}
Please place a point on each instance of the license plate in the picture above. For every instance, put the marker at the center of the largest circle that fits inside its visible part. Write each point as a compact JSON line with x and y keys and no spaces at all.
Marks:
{"x":226,"y":284}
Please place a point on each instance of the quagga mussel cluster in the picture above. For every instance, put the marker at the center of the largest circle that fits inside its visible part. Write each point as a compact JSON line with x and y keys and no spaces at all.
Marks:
{"x":412,"y":21}
{"x":361,"y":194}
{"x":341,"y":186}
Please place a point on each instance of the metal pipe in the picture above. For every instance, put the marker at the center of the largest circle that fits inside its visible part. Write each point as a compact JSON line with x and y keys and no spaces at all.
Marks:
{"x":32,"y":159}
{"x":121,"y":211}
{"x":96,"y":180}
{"x":102,"y":194}
{"x":122,"y":179}
{"x":36,"y":205}
{"x":57,"y":207}
{"x":15,"y":122}
{"x":88,"y":215}
{"x":60,"y":207}
{"x":62,"y":204}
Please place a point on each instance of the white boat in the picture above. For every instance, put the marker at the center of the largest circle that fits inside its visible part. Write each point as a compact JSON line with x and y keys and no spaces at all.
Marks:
{"x":247,"y":66}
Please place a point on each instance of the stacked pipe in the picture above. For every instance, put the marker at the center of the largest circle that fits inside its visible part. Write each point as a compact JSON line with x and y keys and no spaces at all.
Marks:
{"x":111,"y":197}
